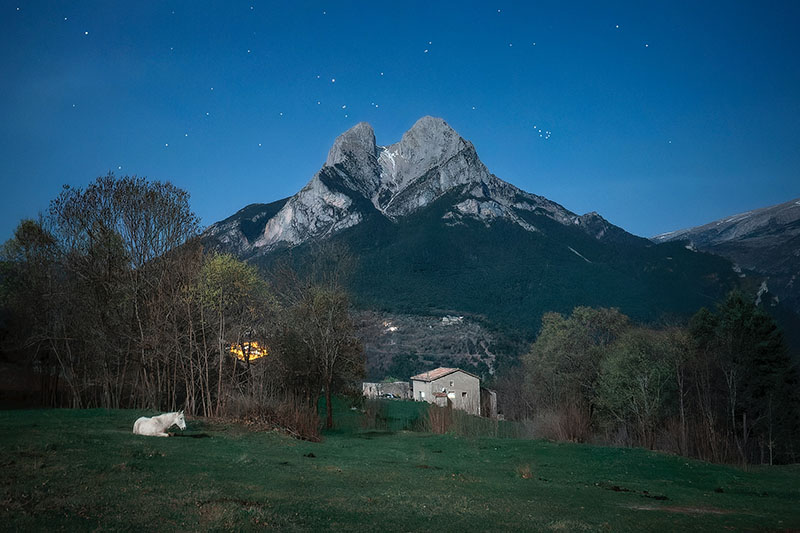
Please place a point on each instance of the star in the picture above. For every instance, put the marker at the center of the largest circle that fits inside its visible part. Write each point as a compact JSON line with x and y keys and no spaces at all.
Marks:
{"x":426,"y":51}
{"x":333,"y":80}
{"x":212,"y":88}
{"x":259,"y":145}
{"x":429,"y":42}
{"x":317,"y":102}
{"x":86,"y":33}
{"x":381,"y":73}
{"x":510,"y":44}
{"x":647,"y":46}
{"x":533,"y":44}
{"x":65,"y":18}
{"x":185,"y":134}
{"x":617,"y":26}
{"x":344,"y":107}
{"x":206,"y":113}
{"x":248,"y":50}
{"x":473,"y":108}
{"x":119,"y":167}
{"x":166,"y":144}
{"x":498,"y":11}
{"x":281,"y":114}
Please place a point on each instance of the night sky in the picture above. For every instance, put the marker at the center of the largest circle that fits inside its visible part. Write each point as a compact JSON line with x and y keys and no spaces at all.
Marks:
{"x":657,"y":117}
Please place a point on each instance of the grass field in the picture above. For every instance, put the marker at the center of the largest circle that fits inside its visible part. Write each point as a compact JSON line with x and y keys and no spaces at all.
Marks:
{"x":84,"y":470}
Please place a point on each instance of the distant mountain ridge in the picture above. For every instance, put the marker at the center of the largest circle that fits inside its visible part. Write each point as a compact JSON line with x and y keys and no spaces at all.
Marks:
{"x":765,"y":240}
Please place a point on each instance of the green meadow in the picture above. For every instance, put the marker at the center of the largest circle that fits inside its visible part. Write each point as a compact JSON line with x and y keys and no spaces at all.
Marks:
{"x":81,"y":470}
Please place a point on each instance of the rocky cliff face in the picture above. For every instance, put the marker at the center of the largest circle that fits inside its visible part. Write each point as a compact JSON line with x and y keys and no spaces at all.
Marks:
{"x":360,"y":178}
{"x":765,"y":241}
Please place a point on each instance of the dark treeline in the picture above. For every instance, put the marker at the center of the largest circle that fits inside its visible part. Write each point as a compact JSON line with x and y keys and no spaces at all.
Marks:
{"x":722,"y":388}
{"x":112,"y":301}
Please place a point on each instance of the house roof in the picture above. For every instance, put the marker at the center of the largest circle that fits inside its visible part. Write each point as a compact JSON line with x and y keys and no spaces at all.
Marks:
{"x":433,"y":375}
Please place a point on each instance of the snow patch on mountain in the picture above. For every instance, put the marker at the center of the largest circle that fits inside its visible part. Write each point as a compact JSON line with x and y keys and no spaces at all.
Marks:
{"x":574,"y":251}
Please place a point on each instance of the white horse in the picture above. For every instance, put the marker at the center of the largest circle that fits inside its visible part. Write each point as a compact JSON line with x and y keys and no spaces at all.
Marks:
{"x":157,"y":425}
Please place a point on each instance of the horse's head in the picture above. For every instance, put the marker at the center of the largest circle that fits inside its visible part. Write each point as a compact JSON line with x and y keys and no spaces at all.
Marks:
{"x":179,"y":420}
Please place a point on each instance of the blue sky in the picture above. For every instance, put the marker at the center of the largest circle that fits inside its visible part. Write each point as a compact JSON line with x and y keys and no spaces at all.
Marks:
{"x":661,"y":115}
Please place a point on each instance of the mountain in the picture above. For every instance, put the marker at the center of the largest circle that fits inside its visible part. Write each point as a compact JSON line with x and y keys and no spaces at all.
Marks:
{"x":360,"y":179}
{"x":435,"y":234}
{"x":764,"y":241}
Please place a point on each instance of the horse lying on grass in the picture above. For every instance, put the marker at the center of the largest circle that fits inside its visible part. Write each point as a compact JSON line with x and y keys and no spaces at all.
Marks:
{"x":157,"y":425}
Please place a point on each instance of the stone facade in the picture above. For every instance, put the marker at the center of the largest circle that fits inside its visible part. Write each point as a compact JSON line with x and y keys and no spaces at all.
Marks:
{"x":448,"y":387}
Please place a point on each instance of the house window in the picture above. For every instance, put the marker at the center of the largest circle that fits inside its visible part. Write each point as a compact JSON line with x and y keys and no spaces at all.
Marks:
{"x":451,"y":383}
{"x":463,"y":394}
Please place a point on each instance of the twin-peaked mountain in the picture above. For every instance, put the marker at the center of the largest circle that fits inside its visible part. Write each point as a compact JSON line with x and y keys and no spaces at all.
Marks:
{"x":360,"y":179}
{"x":435,"y":233}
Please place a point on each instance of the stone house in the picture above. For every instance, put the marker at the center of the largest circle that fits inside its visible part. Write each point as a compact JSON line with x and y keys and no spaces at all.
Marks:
{"x":448,"y":386}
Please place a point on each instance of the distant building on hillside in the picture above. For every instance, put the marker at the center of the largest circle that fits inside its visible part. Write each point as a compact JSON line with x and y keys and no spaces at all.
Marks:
{"x":394,"y":389}
{"x":445,"y":387}
{"x":449,"y":387}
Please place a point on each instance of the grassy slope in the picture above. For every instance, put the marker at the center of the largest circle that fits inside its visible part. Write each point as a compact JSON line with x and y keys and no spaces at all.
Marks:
{"x":79,"y":470}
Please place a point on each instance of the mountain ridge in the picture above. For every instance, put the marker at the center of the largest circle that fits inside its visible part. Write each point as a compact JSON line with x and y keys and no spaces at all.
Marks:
{"x":430,"y":160}
{"x":765,"y":241}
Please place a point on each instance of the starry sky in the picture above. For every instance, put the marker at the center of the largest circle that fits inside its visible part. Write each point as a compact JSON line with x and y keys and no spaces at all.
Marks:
{"x":658,"y":115}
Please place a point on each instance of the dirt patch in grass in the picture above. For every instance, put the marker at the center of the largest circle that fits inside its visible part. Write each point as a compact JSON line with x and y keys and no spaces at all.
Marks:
{"x":680,"y":509}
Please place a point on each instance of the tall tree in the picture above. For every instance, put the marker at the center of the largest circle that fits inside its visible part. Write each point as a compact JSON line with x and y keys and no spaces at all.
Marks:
{"x":317,"y":342}
{"x":562,"y":367}
{"x":635,"y":381}
{"x":234,"y":300}
{"x":757,"y":373}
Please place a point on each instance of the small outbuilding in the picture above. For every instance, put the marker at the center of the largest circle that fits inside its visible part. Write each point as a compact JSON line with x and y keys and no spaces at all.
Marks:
{"x":448,"y":386}
{"x":390,"y":389}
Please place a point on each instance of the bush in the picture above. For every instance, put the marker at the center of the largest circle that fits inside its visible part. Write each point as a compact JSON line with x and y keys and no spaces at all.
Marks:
{"x":287,"y":414}
{"x":442,"y":420}
{"x":566,"y":423}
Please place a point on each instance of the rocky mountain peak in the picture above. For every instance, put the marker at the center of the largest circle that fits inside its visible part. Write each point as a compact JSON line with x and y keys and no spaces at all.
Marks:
{"x":429,"y":162}
{"x":354,"y":156}
{"x":431,"y":133}
{"x":357,"y":142}
{"x":429,"y":143}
